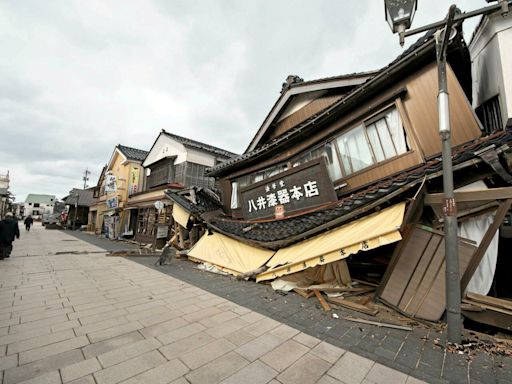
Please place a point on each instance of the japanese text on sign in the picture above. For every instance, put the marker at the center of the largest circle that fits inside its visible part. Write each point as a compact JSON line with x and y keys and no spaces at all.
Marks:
{"x":283,"y":195}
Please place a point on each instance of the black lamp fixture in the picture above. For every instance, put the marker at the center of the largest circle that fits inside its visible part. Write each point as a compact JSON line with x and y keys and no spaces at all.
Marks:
{"x":399,"y":15}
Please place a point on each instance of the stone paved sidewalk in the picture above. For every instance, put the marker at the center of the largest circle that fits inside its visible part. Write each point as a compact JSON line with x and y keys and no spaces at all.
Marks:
{"x":90,"y":318}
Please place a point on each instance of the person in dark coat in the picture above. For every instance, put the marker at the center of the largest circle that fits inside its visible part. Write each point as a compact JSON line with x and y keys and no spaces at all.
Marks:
{"x":8,"y":231}
{"x":28,"y":222}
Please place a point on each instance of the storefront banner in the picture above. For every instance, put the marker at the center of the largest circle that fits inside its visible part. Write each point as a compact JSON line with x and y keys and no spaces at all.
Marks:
{"x":110,"y":183}
{"x":112,"y":202}
{"x":133,"y":181}
{"x":162,"y":231}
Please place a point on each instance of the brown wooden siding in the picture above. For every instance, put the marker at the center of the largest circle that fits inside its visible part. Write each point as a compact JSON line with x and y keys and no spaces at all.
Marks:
{"x":421,"y":106}
{"x":303,"y":114}
{"x":418,"y":110}
{"x":380,"y":171}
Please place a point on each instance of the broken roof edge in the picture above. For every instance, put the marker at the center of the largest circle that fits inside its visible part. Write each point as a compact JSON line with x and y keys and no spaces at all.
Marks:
{"x":415,"y":53}
{"x":199,"y":145}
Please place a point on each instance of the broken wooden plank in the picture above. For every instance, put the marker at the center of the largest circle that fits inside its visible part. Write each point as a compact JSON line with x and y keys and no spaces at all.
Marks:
{"x":364,"y":282}
{"x":471,"y":307}
{"x":490,"y":307}
{"x":351,"y":305}
{"x":471,"y":196}
{"x":494,"y":301}
{"x":306,"y":293}
{"x":377,"y":323}
{"x":321,"y":299}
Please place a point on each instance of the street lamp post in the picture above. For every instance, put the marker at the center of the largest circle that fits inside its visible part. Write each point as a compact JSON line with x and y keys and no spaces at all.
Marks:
{"x":399,"y":14}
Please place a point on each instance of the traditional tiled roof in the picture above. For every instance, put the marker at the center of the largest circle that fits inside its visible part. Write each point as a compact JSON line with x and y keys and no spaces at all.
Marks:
{"x":85,"y":197}
{"x":276,"y":233}
{"x":205,"y":200}
{"x":198,"y":145}
{"x":133,"y":153}
{"x":40,"y":199}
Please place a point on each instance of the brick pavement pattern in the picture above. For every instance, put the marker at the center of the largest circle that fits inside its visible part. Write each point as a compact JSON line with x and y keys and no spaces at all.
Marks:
{"x":90,"y":318}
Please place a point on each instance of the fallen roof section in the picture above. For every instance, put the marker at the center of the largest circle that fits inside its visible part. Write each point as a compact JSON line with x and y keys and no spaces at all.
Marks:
{"x":367,"y":233}
{"x":228,"y":254}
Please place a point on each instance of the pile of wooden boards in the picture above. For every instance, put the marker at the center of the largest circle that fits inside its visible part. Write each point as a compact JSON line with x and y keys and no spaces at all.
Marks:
{"x":488,"y":310}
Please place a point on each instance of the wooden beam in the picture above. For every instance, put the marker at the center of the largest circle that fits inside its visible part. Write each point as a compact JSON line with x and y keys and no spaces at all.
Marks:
{"x":471,"y":196}
{"x":322,"y":301}
{"x":351,"y":305}
{"x":484,"y":244}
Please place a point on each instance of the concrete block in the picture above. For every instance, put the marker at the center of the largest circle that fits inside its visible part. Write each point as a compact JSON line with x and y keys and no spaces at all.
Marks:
{"x":258,"y":347}
{"x":114,"y":331}
{"x":351,"y":368}
{"x":207,"y":353}
{"x":180,"y":347}
{"x":39,"y":341}
{"x":307,"y":370}
{"x":52,"y":349}
{"x":284,"y":355}
{"x":80,"y":369}
{"x":254,"y":373}
{"x":128,"y":351}
{"x":162,"y":374}
{"x":328,"y":352}
{"x":218,"y":369}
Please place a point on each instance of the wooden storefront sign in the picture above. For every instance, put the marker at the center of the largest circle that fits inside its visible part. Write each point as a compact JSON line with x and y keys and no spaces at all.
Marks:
{"x":298,"y":189}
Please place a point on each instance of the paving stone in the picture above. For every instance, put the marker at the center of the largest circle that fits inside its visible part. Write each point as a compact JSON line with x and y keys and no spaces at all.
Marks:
{"x":129,"y":368}
{"x":254,"y":373}
{"x":87,"y":329}
{"x":218,"y":319}
{"x":284,"y":332}
{"x":201,"y":314}
{"x":91,"y":311}
{"x":180,"y":347}
{"x":102,"y":316}
{"x":165,"y":327}
{"x":48,"y":322}
{"x":307,"y":340}
{"x":39,"y":367}
{"x":326,"y":379}
{"x":207,"y":353}
{"x":351,"y":368}
{"x":7,"y":362}
{"x":96,"y":349}
{"x":328,"y":352}
{"x":114,"y":331}
{"x":46,"y":378}
{"x":39,"y":341}
{"x":258,"y":347}
{"x":384,"y":375}
{"x":162,"y":374}
{"x":228,"y":327}
{"x":284,"y":355}
{"x":261,"y":326}
{"x":308,"y":369}
{"x":52,"y":349}
{"x":239,"y":337}
{"x":128,"y":351}
{"x":80,"y":369}
{"x":218,"y":369}
{"x":181,"y":333}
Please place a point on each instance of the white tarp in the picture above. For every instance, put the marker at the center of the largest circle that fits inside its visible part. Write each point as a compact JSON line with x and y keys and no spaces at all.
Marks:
{"x":474,"y":229}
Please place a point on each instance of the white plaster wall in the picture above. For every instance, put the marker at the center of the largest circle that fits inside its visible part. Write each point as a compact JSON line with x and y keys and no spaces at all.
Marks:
{"x":165,"y":146}
{"x":199,"y":157}
{"x":491,"y":67}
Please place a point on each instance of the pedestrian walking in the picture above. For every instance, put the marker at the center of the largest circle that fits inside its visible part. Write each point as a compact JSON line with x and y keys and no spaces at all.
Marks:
{"x":28,"y":222}
{"x":8,"y":231}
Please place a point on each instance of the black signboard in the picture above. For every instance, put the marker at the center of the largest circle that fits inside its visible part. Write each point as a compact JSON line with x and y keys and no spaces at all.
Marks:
{"x":298,"y":189}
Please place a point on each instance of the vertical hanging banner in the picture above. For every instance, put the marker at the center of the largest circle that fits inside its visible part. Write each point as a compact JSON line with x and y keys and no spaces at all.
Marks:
{"x":133,"y":186}
{"x":110,"y":183}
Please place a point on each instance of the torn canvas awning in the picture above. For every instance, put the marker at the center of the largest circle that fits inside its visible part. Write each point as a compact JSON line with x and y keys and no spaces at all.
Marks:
{"x":180,"y":215}
{"x":369,"y":232}
{"x":231,"y":255}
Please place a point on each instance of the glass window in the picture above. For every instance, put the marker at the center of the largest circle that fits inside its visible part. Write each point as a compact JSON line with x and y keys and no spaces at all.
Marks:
{"x":355,"y":150}
{"x":371,"y":143}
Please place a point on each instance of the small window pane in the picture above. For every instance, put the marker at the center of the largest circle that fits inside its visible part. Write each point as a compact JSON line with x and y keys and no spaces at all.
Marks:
{"x":355,"y":150}
{"x":333,"y":164}
{"x":386,"y":140}
{"x":396,"y":130}
{"x":375,"y":142}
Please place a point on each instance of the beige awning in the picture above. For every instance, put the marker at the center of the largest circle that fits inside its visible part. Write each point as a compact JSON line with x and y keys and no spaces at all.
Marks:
{"x":180,"y":215}
{"x":228,"y":254}
{"x":367,"y":233}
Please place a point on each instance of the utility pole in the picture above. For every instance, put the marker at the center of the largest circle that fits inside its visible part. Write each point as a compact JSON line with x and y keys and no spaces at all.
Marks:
{"x":86,"y":178}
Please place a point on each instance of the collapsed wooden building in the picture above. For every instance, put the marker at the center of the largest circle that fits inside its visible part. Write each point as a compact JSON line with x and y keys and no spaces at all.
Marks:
{"x":342,"y":182}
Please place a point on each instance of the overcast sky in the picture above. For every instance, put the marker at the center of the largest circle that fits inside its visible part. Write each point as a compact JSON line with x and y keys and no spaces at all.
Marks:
{"x":79,"y":77}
